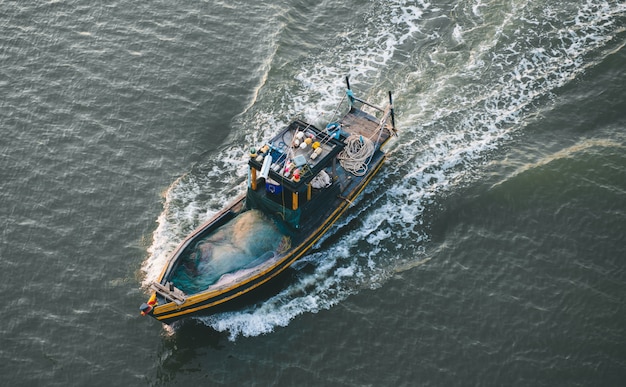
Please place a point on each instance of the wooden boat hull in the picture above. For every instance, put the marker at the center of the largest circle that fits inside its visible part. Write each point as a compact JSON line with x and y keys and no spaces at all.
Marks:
{"x":205,"y":302}
{"x":300,"y":183}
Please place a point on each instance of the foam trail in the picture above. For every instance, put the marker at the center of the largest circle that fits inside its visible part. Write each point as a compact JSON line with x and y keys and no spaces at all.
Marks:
{"x":470,"y":102}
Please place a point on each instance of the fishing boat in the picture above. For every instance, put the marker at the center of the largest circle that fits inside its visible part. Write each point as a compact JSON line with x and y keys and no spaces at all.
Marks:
{"x":299,"y":183}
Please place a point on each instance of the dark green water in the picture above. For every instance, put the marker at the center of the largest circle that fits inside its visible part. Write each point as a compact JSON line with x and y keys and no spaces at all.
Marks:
{"x":490,"y":251}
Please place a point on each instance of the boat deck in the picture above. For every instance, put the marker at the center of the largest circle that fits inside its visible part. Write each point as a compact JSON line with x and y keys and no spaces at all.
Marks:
{"x":360,"y":123}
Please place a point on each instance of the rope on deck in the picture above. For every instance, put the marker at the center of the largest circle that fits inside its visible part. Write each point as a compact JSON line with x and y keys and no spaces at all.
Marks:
{"x":356,"y":155}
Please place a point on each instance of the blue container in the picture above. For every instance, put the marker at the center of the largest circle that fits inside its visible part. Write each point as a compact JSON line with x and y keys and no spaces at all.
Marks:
{"x":273,"y":187}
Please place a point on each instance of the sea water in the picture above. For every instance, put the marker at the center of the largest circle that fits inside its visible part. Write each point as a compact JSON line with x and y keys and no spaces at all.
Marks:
{"x":488,"y":251}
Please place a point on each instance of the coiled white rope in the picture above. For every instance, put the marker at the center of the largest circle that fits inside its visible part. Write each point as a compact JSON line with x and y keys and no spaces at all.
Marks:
{"x":355,"y":156}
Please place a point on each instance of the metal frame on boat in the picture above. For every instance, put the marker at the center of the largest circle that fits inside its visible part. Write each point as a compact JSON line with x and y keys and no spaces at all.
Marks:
{"x":300,"y":183}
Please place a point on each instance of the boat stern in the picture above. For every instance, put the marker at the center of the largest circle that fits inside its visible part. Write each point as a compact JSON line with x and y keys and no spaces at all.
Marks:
{"x":165,"y":303}
{"x":148,"y":307}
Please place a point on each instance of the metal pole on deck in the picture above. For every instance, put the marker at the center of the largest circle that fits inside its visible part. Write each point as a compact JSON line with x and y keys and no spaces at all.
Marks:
{"x":349,"y":92}
{"x":393,"y":117}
